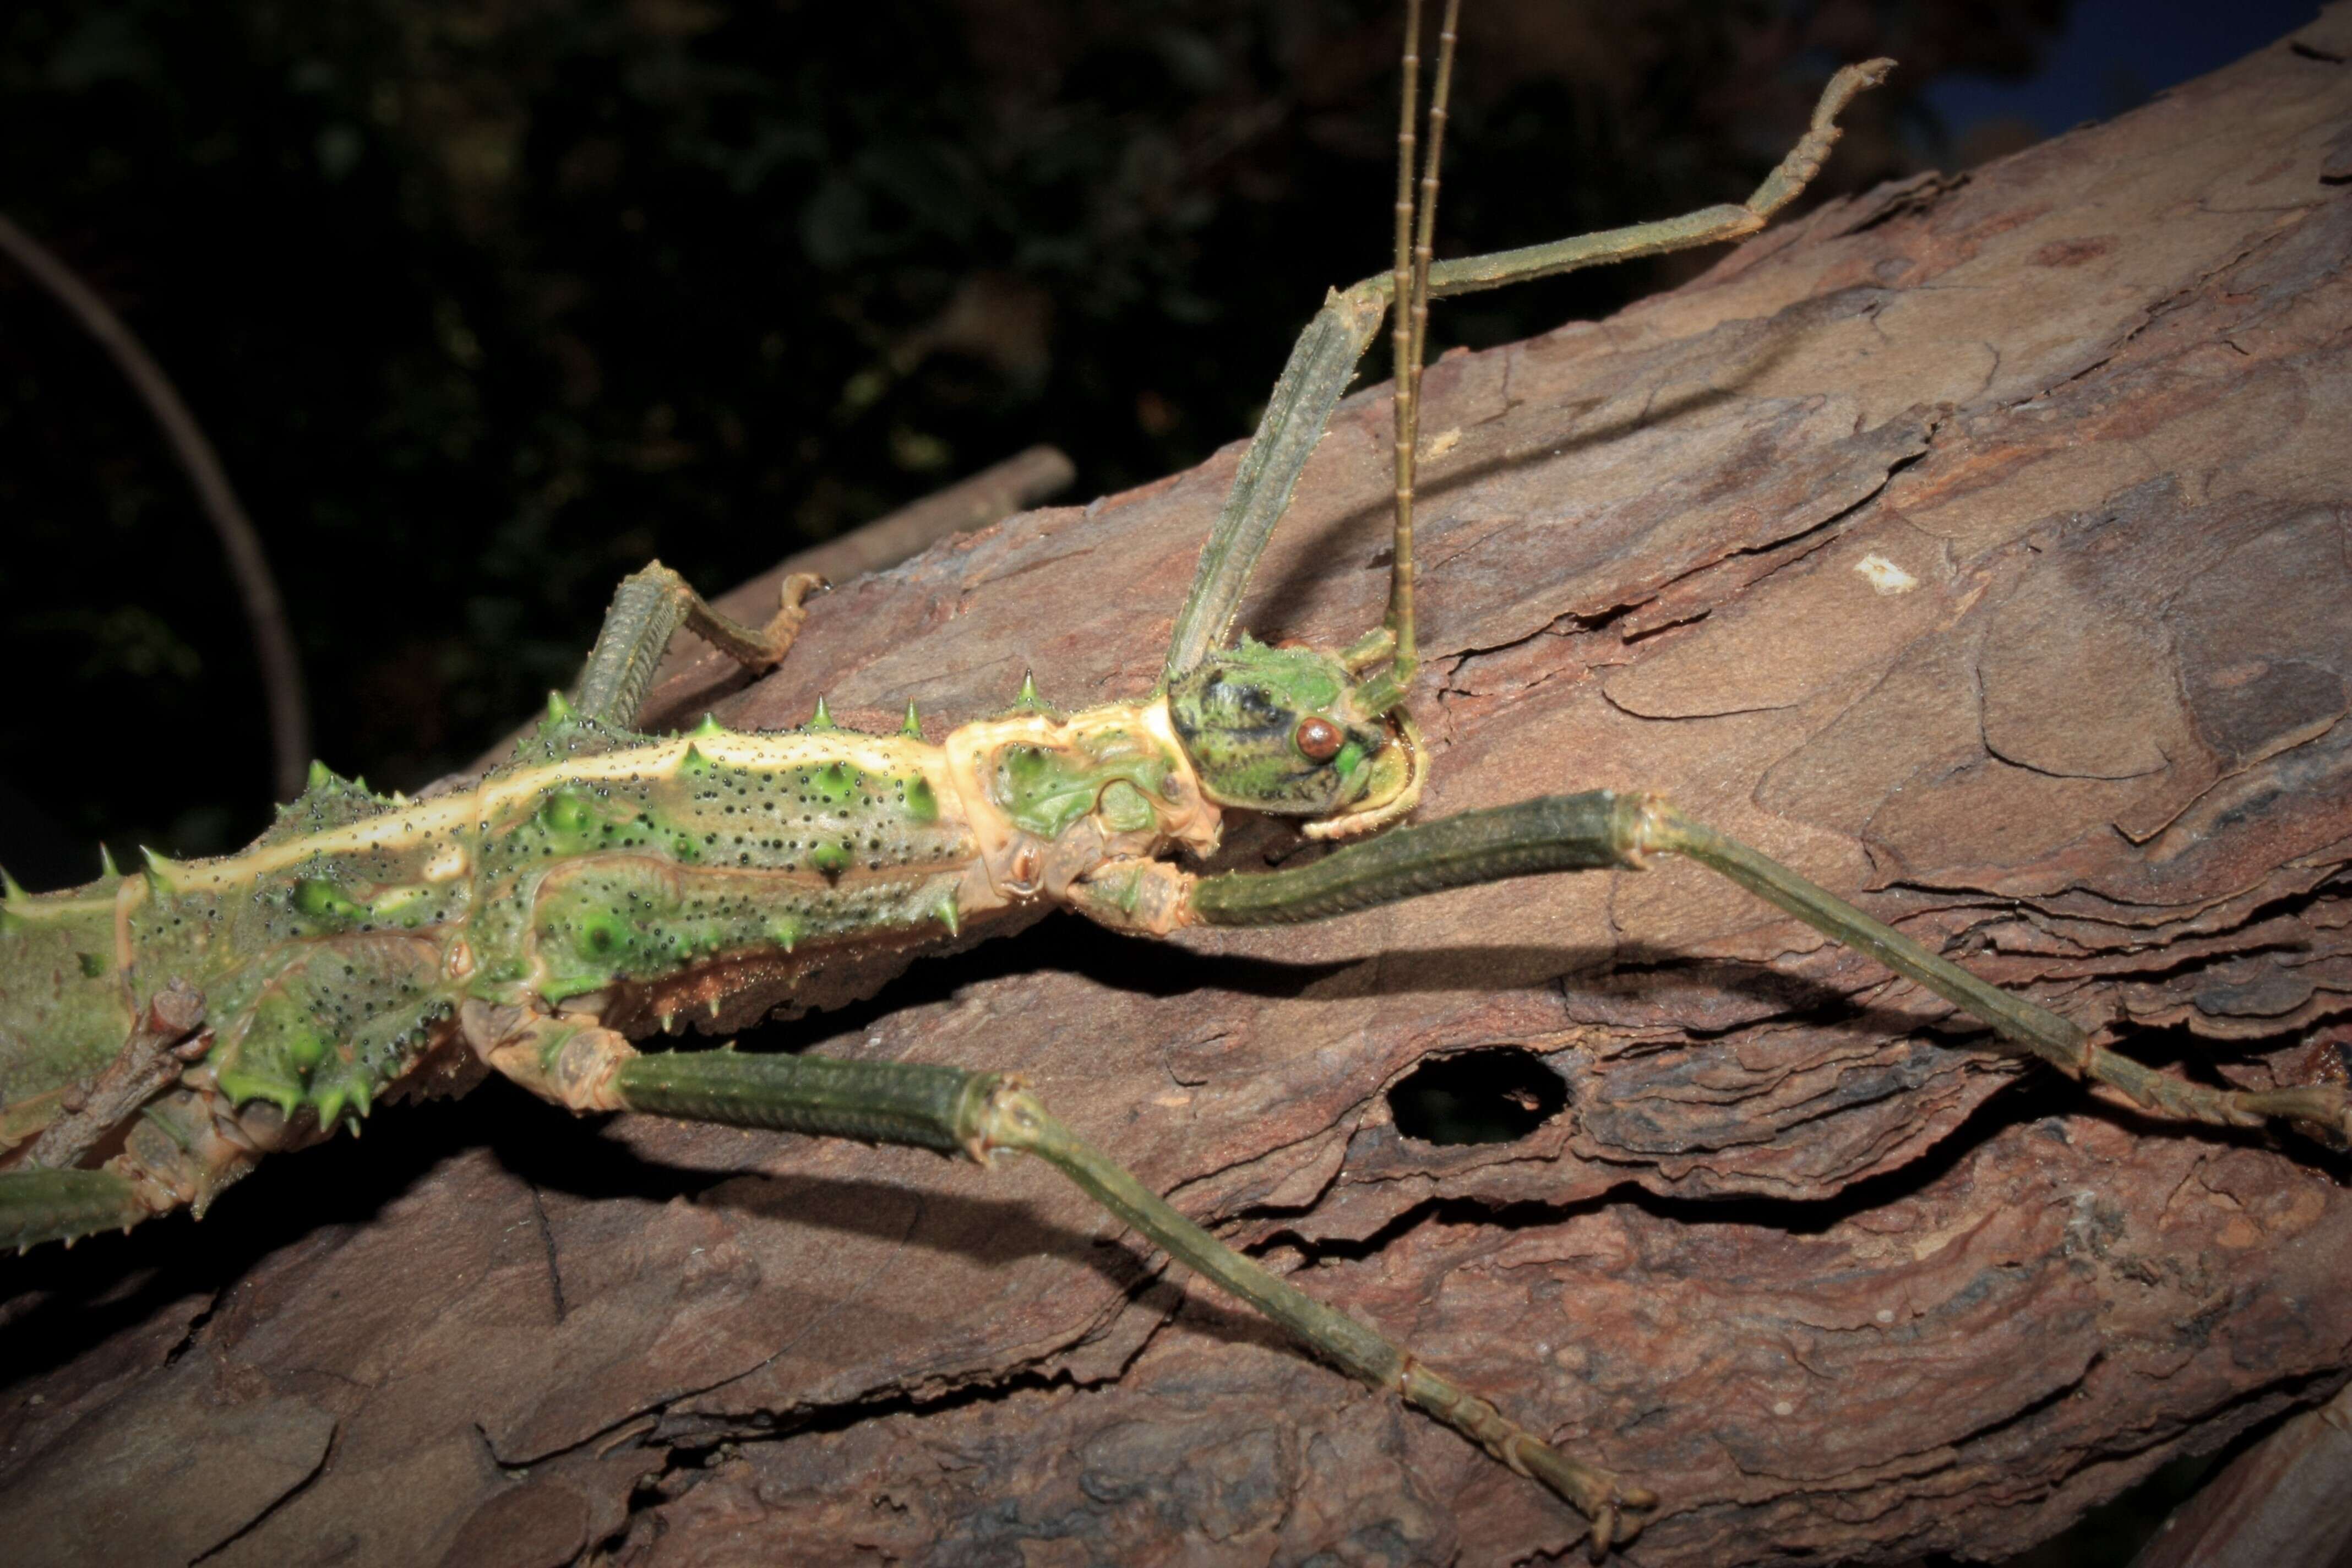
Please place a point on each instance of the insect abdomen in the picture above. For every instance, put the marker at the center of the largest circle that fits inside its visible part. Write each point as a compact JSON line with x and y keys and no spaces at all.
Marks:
{"x":63,"y":1013}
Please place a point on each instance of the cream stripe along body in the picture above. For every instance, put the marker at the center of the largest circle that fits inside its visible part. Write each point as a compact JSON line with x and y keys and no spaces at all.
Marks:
{"x":601,"y":874}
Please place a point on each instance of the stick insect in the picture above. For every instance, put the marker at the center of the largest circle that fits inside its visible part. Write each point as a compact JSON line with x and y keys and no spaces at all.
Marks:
{"x":167,"y":1029}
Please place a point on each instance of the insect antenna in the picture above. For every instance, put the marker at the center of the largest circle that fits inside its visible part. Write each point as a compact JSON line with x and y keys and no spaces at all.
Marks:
{"x":1416,"y":223}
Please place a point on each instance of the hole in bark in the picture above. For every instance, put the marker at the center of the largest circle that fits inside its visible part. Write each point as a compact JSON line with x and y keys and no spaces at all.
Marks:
{"x":1498,"y":1095}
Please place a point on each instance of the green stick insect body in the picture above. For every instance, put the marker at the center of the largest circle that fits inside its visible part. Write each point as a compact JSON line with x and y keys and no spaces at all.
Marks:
{"x":162,"y":1031}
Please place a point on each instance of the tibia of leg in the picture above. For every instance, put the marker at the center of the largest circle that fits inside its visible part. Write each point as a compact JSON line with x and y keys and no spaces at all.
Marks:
{"x":1710,"y":226}
{"x":1805,"y":159}
{"x":2325,"y":1108}
{"x":2055,"y":1039}
{"x":646,"y":612}
{"x":62,"y":1205}
{"x":1597,"y":1494}
{"x":1011,"y":1118}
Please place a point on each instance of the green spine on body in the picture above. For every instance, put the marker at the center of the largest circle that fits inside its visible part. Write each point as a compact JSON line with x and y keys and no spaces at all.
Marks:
{"x":882,"y":1102}
{"x":1587,"y":832}
{"x":322,"y":968}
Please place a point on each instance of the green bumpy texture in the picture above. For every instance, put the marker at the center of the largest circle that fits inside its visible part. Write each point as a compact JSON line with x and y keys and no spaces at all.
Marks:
{"x":327,"y":964}
{"x":1239,"y":714}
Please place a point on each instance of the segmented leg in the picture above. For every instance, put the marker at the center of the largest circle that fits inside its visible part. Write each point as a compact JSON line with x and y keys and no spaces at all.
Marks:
{"x":1324,"y":359}
{"x":973,"y":1114}
{"x":646,"y":612}
{"x":1605,"y":830}
{"x":63,"y":1205}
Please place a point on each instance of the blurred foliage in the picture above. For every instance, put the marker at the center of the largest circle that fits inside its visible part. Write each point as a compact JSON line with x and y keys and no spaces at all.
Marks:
{"x":485,"y":302}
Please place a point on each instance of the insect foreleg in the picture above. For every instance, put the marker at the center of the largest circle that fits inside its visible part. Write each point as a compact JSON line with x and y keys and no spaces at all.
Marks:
{"x":1603,"y":829}
{"x":1709,"y":226}
{"x":2326,"y":1107}
{"x":1324,"y":359}
{"x":647,"y":610}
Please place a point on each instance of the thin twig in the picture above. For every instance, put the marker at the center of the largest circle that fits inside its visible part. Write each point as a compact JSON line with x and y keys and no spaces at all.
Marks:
{"x":265,"y":610}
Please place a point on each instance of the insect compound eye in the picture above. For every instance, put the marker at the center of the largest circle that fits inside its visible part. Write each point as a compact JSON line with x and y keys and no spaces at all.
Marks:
{"x":1319,"y":739}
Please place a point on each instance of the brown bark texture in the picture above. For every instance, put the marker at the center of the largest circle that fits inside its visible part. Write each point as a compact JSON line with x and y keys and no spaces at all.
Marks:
{"x":1978,"y":546}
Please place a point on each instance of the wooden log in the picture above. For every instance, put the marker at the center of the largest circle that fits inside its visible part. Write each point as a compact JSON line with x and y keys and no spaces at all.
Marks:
{"x":1978,"y":546}
{"x":2283,"y":1503}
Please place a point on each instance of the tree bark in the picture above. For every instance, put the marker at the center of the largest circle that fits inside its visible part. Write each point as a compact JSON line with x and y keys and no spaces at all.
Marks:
{"x":1978,"y":546}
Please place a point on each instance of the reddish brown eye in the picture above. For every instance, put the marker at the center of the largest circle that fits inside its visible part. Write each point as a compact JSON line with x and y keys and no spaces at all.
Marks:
{"x":1318,"y":740}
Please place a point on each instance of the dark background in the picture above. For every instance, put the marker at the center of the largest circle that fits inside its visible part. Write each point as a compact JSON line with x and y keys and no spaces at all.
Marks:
{"x":485,"y":302}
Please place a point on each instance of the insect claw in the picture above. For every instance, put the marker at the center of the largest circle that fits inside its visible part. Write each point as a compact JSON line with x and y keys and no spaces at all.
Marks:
{"x":106,"y":867}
